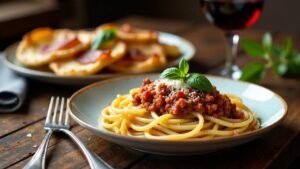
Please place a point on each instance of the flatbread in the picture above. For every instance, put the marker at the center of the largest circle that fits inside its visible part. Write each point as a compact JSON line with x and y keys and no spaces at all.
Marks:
{"x":89,"y":62}
{"x":141,"y":58}
{"x":43,"y":45}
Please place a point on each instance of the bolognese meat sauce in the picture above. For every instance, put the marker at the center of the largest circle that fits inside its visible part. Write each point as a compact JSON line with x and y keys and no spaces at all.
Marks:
{"x":157,"y":96}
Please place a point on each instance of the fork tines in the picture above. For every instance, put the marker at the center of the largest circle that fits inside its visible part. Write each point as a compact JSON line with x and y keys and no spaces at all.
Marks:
{"x":53,"y":110}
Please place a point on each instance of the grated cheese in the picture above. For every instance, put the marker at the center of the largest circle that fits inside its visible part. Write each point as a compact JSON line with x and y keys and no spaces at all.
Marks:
{"x":175,"y":84}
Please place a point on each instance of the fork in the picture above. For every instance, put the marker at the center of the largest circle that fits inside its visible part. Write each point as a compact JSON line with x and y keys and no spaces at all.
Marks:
{"x":38,"y":160}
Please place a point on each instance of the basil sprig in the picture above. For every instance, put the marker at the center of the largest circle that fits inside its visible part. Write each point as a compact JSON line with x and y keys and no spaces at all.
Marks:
{"x":282,"y":59}
{"x":102,"y":37}
{"x":194,"y":80}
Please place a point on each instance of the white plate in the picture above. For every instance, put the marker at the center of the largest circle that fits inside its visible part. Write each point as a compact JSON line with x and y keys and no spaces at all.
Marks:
{"x":44,"y":74}
{"x":86,"y":104}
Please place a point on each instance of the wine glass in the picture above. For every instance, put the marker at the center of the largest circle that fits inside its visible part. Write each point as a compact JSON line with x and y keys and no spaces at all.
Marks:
{"x":232,"y":16}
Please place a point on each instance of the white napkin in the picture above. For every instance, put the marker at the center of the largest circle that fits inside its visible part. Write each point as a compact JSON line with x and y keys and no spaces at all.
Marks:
{"x":12,"y":89}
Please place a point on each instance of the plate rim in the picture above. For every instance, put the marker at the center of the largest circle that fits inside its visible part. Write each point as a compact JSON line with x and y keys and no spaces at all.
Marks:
{"x":199,"y":141}
{"x":28,"y":72}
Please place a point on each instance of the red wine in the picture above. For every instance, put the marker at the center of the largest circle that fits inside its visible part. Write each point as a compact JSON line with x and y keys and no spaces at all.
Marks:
{"x":231,"y":15}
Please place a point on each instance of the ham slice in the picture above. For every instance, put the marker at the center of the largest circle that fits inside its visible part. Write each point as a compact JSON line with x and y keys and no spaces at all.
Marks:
{"x":92,"y":56}
{"x":136,"y":54}
{"x":60,"y":44}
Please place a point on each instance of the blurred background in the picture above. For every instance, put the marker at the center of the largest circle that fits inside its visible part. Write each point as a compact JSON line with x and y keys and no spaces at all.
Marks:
{"x":20,"y":16}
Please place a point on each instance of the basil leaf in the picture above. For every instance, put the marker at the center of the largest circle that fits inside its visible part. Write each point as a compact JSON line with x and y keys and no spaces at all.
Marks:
{"x":198,"y":81}
{"x":253,"y":72}
{"x":183,"y":67}
{"x":287,"y":49}
{"x":296,"y":59}
{"x":281,"y":68}
{"x":293,"y":69}
{"x":171,"y":73}
{"x":252,"y":48}
{"x":267,"y":42}
{"x":277,"y":51}
{"x":102,"y":37}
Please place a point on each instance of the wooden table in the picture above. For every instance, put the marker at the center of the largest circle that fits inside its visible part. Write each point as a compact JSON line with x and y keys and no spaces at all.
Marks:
{"x":21,"y":132}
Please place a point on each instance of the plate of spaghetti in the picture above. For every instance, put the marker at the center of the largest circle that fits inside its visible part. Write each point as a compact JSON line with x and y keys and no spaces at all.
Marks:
{"x":177,"y":112}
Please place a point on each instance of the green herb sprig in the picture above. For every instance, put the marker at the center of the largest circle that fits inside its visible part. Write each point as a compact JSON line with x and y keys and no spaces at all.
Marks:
{"x":282,"y":59}
{"x":194,"y":80}
{"x":103,"y":37}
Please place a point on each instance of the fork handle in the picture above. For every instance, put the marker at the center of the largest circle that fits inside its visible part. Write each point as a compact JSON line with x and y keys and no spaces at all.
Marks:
{"x":94,"y":161}
{"x":38,"y":160}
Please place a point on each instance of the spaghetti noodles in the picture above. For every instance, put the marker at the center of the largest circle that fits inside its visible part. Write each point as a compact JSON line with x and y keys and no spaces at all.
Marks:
{"x":125,"y":118}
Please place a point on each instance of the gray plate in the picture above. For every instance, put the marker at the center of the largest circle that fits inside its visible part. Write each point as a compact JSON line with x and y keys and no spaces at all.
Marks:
{"x":44,"y":74}
{"x":86,"y":105}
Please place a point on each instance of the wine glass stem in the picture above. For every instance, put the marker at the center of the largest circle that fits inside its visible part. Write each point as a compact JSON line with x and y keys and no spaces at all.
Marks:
{"x":231,"y":54}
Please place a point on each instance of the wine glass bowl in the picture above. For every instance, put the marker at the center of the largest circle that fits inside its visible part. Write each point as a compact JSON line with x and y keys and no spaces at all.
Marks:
{"x":232,"y":16}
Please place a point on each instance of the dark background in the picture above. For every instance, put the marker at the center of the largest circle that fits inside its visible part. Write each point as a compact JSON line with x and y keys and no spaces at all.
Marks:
{"x":20,"y":16}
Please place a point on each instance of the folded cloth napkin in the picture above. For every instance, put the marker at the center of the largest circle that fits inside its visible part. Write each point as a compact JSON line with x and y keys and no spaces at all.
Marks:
{"x":12,"y":89}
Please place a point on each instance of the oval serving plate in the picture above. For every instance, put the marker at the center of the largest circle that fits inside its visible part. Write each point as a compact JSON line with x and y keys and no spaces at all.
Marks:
{"x":44,"y":74}
{"x":86,"y":105}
